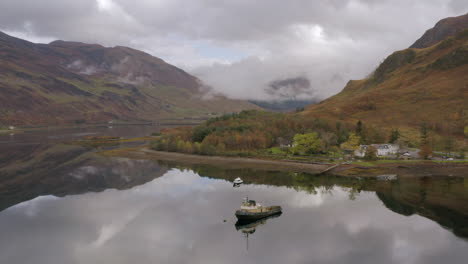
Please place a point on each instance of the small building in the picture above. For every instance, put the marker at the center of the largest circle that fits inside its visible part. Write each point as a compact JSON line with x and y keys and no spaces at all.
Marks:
{"x":11,"y":127}
{"x":383,"y":150}
{"x":284,"y":143}
{"x":361,"y":151}
{"x":405,"y":156}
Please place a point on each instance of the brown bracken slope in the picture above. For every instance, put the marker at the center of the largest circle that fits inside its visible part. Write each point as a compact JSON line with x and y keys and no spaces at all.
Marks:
{"x":411,"y":86}
{"x":69,"y":82}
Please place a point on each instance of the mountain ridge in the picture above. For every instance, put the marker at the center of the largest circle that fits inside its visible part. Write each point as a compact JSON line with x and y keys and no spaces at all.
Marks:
{"x":72,"y":82}
{"x":445,"y":28}
{"x":408,"y":88}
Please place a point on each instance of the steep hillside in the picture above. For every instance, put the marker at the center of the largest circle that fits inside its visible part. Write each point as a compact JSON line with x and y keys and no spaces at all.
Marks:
{"x":443,"y":29}
{"x":70,"y":82}
{"x":409,"y":87}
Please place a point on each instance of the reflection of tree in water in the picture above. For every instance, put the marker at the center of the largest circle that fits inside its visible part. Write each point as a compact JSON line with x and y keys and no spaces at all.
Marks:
{"x":305,"y":182}
{"x":441,"y":199}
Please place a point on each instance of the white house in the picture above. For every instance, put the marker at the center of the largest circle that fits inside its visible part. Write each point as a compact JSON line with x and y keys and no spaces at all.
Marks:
{"x":383,"y":150}
{"x":361,"y":151}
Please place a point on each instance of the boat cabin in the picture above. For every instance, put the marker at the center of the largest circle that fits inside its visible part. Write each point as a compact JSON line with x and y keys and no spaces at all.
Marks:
{"x":249,"y":204}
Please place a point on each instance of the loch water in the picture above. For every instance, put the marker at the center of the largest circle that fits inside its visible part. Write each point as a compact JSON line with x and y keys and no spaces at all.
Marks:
{"x":63,"y":203}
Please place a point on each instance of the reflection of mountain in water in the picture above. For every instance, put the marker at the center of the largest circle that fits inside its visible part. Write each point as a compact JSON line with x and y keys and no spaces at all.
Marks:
{"x":444,"y":200}
{"x":30,"y":171}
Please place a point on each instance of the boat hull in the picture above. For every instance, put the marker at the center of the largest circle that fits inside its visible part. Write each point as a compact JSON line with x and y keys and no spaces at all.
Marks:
{"x":245,"y":226}
{"x":246,"y":216}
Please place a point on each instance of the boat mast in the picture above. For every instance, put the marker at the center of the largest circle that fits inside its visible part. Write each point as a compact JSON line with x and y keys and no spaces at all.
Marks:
{"x":247,"y":241}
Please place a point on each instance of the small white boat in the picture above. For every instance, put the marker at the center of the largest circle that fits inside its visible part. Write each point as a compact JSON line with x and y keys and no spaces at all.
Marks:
{"x":238,"y":181}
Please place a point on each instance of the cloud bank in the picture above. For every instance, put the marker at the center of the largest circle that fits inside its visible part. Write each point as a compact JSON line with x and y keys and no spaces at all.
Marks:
{"x":240,"y":47}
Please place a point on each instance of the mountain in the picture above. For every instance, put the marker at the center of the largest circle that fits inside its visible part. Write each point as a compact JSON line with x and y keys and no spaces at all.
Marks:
{"x":286,"y":92}
{"x":283,"y":105}
{"x":411,"y":86}
{"x":71,"y":82}
{"x":443,"y":29}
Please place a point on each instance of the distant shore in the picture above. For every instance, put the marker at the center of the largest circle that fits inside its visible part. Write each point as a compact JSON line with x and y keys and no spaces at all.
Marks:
{"x":225,"y":162}
{"x":160,"y":123}
{"x":10,"y":131}
{"x":402,"y":169}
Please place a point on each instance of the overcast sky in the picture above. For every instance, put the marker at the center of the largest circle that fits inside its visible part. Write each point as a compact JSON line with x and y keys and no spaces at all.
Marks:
{"x":240,"y":46}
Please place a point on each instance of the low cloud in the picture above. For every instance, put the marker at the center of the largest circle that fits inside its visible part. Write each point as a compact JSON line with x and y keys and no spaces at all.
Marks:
{"x":82,"y":68}
{"x":240,"y":47}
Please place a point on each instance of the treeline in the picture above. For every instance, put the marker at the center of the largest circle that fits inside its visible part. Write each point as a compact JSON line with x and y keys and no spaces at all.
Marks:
{"x":250,"y":131}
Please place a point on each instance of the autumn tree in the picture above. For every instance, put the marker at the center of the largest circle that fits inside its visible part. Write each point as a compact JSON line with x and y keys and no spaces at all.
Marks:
{"x":352,"y":143}
{"x":329,"y":139}
{"x":425,"y":152}
{"x":188,"y":148}
{"x":371,"y":153}
{"x":207,"y":149}
{"x":304,"y":144}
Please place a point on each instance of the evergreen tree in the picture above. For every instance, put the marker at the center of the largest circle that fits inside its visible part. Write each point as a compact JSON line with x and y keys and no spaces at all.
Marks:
{"x":424,"y":134}
{"x":359,"y":128}
{"x":394,"y":136}
{"x":425,"y":150}
{"x":361,"y":132}
{"x":449,"y":143}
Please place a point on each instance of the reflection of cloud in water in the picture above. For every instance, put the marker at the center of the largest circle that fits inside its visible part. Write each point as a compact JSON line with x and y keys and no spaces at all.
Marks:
{"x":177,"y":183}
{"x":108,"y":231}
{"x":178,"y":218}
{"x":82,"y":172}
{"x":302,"y":199}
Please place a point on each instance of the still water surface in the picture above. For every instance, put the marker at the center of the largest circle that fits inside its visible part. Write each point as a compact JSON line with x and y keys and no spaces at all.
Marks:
{"x":65,"y":204}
